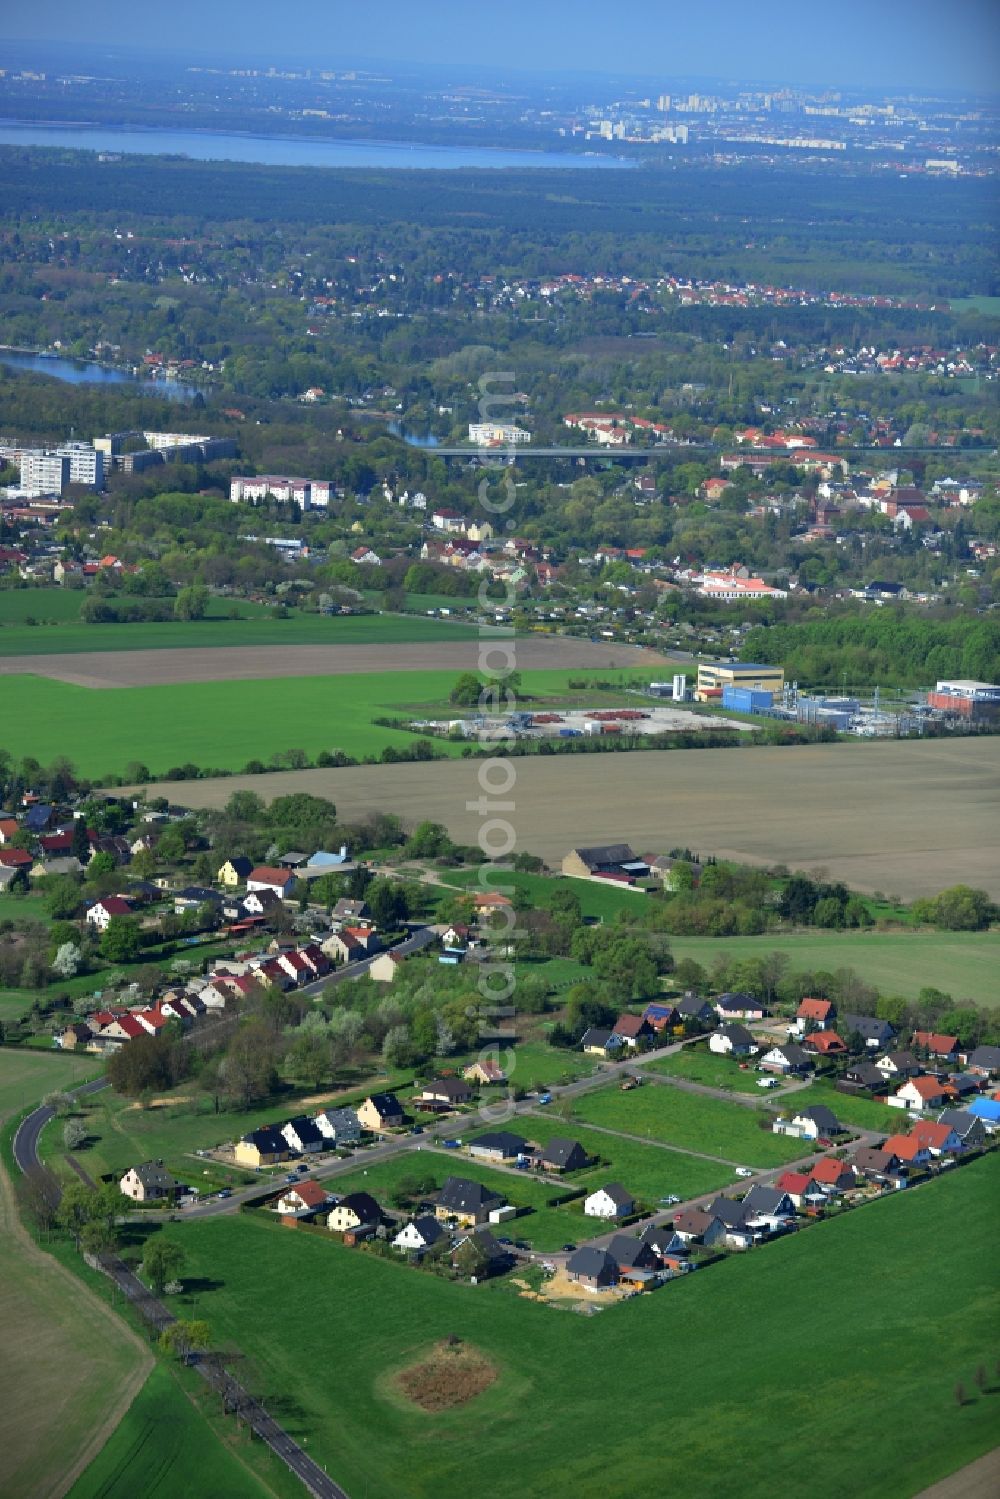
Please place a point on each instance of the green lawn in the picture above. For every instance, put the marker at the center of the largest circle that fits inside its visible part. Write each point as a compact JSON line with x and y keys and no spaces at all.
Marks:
{"x":531,"y":1064}
{"x":331,"y":1325}
{"x":17,"y":639}
{"x":963,"y":964}
{"x":120,"y":1133}
{"x":26,"y":1076}
{"x":691,"y":1120}
{"x":166,"y":1446}
{"x":598,"y":901}
{"x":222,"y":725}
{"x":648,"y":1171}
{"x":863,"y":1112}
{"x":699,"y":1065}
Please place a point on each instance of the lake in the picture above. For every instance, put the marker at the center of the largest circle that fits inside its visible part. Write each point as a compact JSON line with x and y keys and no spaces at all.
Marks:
{"x":288,"y":150}
{"x":86,"y":372}
{"x":414,"y":439}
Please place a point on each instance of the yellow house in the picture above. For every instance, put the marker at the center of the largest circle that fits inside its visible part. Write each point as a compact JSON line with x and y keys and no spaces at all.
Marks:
{"x":234,"y":872}
{"x":713,"y":676}
{"x":264,"y":1147}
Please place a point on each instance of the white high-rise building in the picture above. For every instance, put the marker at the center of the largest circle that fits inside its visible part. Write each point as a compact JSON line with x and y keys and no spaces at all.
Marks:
{"x":43,"y":473}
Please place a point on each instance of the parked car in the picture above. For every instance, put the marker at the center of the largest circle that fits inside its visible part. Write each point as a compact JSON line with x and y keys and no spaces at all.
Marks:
{"x":545,"y":1098}
{"x":417,"y":1129}
{"x":226,"y":1192}
{"x":670,"y":1201}
{"x":451,"y":1144}
{"x":569,"y":1248}
{"x":301,"y":1168}
{"x":767,"y":1082}
{"x":743,"y":1171}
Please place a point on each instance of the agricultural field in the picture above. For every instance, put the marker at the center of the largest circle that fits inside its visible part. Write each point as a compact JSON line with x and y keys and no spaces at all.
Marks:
{"x":699,"y":1065}
{"x":562,"y":1375}
{"x":730,"y":1131}
{"x":70,"y":1366}
{"x":844,"y":808}
{"x":255,"y":627}
{"x":206,"y":722}
{"x":167,"y":1444}
{"x":962,"y":964}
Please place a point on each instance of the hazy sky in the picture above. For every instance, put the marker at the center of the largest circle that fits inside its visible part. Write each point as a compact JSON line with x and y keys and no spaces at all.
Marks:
{"x":951,"y":44}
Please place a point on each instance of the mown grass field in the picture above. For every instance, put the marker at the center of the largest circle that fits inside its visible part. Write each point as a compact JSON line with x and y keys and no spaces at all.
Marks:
{"x":222,"y":725}
{"x":602,"y":902}
{"x":879,"y":1350}
{"x":699,"y":1065}
{"x":253,"y":628}
{"x":962,"y":964}
{"x":693,"y":1121}
{"x":66,"y":1359}
{"x":165,"y":1446}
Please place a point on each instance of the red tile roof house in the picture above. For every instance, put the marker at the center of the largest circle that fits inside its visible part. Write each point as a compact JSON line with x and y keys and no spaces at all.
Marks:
{"x":907,"y":1149}
{"x":800,"y":1188}
{"x":939,"y":1139}
{"x":825,"y":1044}
{"x":266,"y":877}
{"x":632,"y":1029}
{"x":833,"y":1175}
{"x":921,"y":1093}
{"x":101,"y":912}
{"x":945,"y":1048}
{"x":815,"y":1015}
{"x":16,"y":858}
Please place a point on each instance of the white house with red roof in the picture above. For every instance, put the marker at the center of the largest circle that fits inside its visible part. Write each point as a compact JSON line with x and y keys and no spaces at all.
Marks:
{"x":281,"y":882}
{"x":101,"y":912}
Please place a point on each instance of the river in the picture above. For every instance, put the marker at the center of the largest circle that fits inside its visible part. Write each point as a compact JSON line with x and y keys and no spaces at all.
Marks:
{"x":289,"y":150}
{"x":86,"y":372}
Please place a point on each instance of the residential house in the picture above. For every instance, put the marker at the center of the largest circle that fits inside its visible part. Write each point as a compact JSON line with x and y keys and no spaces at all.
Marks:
{"x":940,"y":1139}
{"x":485,"y":1072}
{"x":732,"y":1041}
{"x":800,"y":1189}
{"x":339,"y":1126}
{"x":865,"y":1075}
{"x":693,"y":1011}
{"x":102,"y":911}
{"x":304,"y":1135}
{"x":281,"y":882}
{"x":561,"y":1155}
{"x":660,"y":1017}
{"x":262,"y":1147}
{"x":147,"y":1183}
{"x":824,"y":1044}
{"x":350,"y":912}
{"x":385,"y":967}
{"x":192,"y":897}
{"x":16,"y":859}
{"x":47,"y":868}
{"x":815,"y":1015}
{"x":498,"y":1145}
{"x":306,"y":1197}
{"x":787,"y":1058}
{"x":669,"y":871}
{"x":738,"y":1233}
{"x":663,"y":1239}
{"x":817,"y":1121}
{"x":357,"y":1215}
{"x":381,"y":1111}
{"x":419,"y":1235}
{"x":633,"y":1029}
{"x":698,"y":1226}
{"x":941,"y":1048}
{"x":770,"y":1206}
{"x":77,"y":1034}
{"x":593,"y":1268}
{"x":876,"y":1033}
{"x":468,"y":1201}
{"x":897,"y":1066}
{"x":495,"y":1255}
{"x":444,"y":1092}
{"x":921,"y":1094}
{"x":234,"y":871}
{"x":597,"y":1042}
{"x":983,"y":1060}
{"x":739,"y":1007}
{"x":876,"y":1164}
{"x":259,"y":903}
{"x":631,"y":1253}
{"x":907,"y":1150}
{"x":610,"y":1201}
{"x":8,"y":828}
{"x":833,"y":1176}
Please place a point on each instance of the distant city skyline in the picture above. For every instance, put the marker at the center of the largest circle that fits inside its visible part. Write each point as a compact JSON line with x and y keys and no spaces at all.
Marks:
{"x":863,"y":44}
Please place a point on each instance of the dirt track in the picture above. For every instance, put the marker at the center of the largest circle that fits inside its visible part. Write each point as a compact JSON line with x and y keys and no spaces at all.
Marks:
{"x":908,"y":818}
{"x":235,"y":663}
